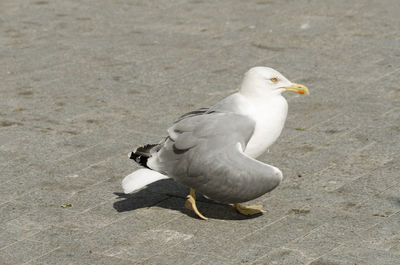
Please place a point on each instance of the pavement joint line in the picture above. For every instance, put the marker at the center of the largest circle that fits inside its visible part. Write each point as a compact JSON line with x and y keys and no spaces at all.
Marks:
{"x":170,"y":221}
{"x":16,"y":242}
{"x":87,"y":132}
{"x":217,"y":258}
{"x":296,"y":250}
{"x":97,"y":205}
{"x":103,"y":89}
{"x":346,"y":210}
{"x":109,"y":141}
{"x":321,"y":122}
{"x":384,"y":220}
{"x":305,"y":235}
{"x":33,"y":240}
{"x":80,"y":229}
{"x":365,"y":147}
{"x":108,"y":158}
{"x":195,"y":43}
{"x":24,"y":238}
{"x":326,"y":253}
{"x":99,"y":162}
{"x":113,"y":222}
{"x":282,"y":247}
{"x":16,"y":76}
{"x":344,"y":134}
{"x":132,"y":215}
{"x":374,"y":79}
{"x":15,"y":200}
{"x":114,"y":257}
{"x":36,"y":258}
{"x":188,"y":73}
{"x":103,"y":202}
{"x":147,"y":258}
{"x":76,"y":192}
{"x":165,"y":82}
{"x":330,"y":166}
{"x":349,"y":182}
{"x":83,"y":150}
{"x":395,"y":109}
{"x":362,"y":51}
{"x":341,"y":210}
{"x":371,"y":197}
{"x":202,"y":255}
{"x":271,"y":223}
{"x":113,"y":199}
{"x":358,"y":150}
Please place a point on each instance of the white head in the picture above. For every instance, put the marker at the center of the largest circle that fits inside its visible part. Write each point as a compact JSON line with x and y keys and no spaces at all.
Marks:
{"x":264,"y":81}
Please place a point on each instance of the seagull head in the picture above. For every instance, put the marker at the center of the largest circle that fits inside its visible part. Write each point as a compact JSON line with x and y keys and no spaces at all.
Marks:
{"x":264,"y":81}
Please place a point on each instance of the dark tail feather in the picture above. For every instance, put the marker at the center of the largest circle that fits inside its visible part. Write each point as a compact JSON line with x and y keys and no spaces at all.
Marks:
{"x":142,"y":154}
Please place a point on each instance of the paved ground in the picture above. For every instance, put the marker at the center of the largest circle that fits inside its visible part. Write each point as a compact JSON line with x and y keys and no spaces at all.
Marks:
{"x":83,"y":82}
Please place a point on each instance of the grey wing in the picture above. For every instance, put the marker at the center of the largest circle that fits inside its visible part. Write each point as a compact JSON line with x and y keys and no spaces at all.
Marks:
{"x":193,"y":113}
{"x":228,"y":104}
{"x":205,"y":152}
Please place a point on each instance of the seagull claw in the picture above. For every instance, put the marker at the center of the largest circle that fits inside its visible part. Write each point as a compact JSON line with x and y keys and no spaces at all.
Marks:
{"x":190,"y":204}
{"x":249,"y":209}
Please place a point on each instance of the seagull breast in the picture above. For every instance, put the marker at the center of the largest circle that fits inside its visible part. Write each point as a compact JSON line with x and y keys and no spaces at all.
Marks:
{"x":269,"y":115}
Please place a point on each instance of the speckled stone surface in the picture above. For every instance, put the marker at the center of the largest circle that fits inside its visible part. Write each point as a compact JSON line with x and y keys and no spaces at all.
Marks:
{"x":84,"y":82}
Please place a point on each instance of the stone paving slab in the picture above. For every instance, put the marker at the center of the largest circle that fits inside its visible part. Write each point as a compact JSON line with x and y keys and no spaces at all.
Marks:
{"x":84,"y":82}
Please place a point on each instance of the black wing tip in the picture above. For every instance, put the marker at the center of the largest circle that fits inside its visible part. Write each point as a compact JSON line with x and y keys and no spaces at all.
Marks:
{"x":142,"y":154}
{"x":139,"y":158}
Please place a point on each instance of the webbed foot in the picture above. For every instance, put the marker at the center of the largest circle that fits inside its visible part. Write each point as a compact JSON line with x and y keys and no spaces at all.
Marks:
{"x":249,"y":209}
{"x":191,"y":204}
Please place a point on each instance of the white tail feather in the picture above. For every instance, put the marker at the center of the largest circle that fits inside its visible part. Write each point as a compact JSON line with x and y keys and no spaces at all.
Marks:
{"x":140,"y":178}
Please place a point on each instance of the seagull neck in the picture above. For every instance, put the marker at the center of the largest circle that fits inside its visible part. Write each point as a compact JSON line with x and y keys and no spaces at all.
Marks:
{"x":261,"y":97}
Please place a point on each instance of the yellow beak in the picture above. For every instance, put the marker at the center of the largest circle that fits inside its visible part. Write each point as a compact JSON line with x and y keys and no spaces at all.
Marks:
{"x":297,"y":88}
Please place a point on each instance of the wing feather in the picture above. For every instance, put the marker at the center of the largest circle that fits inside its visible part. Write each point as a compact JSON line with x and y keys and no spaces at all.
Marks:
{"x":205,"y":152}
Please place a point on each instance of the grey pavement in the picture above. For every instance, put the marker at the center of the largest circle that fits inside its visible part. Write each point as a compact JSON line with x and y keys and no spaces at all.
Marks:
{"x":84,"y":82}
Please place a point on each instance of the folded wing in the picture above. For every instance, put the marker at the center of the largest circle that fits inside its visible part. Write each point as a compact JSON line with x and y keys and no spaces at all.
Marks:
{"x":205,"y":152}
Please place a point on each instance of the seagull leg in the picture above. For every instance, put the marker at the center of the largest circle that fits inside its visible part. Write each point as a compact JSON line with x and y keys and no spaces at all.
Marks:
{"x":191,"y":204}
{"x":249,"y":210}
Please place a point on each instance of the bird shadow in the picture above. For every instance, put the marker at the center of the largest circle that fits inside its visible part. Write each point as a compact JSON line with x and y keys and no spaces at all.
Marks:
{"x":168,"y":194}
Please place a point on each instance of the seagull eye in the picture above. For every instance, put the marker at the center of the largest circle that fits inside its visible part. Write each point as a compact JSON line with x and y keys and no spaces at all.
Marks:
{"x":274,"y":80}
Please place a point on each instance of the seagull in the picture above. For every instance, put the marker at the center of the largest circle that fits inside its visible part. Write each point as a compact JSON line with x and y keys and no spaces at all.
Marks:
{"x":214,"y":150}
